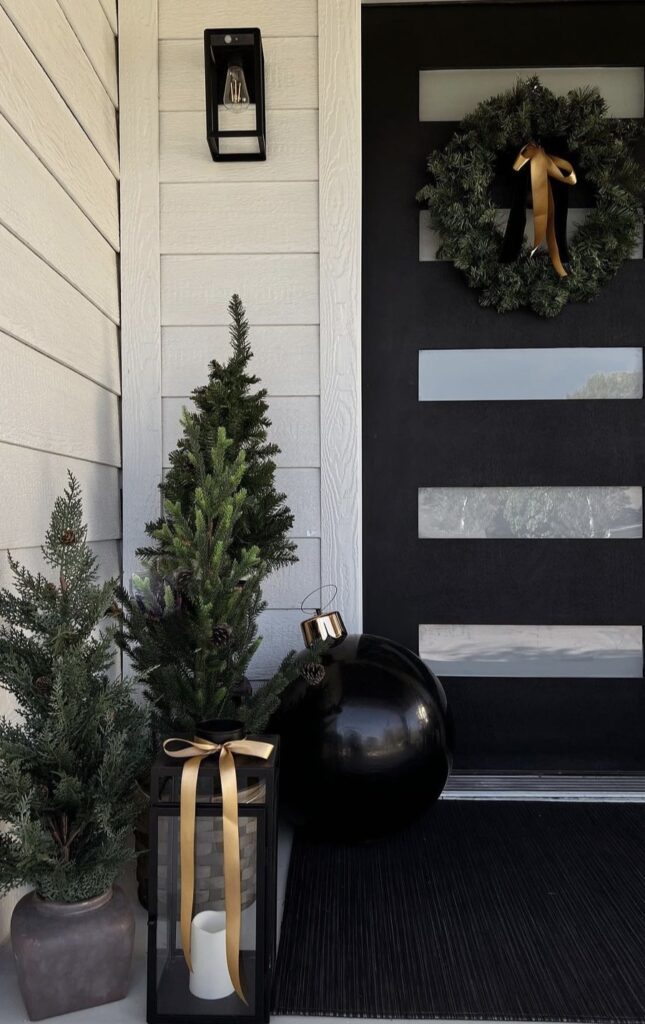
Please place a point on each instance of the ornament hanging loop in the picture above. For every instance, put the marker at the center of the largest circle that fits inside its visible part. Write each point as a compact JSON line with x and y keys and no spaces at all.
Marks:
{"x":319,"y":590}
{"x":324,"y":625}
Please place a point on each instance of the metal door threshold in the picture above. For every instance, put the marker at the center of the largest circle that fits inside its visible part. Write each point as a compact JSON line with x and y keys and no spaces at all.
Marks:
{"x":628,"y":787}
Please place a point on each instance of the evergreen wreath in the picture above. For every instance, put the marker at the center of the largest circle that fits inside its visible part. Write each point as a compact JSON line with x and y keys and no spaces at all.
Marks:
{"x":463,"y":212}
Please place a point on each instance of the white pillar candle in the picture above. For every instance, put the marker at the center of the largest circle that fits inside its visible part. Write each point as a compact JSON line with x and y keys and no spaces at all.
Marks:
{"x":209,"y":978}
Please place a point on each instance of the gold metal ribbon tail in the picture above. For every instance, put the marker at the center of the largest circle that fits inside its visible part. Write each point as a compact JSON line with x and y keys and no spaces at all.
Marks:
{"x":193,"y":753}
{"x":543,"y":168}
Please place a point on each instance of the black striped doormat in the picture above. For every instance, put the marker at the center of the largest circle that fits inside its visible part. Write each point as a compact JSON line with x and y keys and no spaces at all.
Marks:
{"x":481,"y":911}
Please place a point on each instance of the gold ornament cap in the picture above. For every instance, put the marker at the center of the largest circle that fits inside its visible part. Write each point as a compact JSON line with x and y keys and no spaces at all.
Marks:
{"x":329,"y":626}
{"x":323,"y":625}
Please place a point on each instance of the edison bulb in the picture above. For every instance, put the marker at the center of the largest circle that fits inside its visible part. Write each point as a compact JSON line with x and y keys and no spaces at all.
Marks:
{"x":236,"y":93}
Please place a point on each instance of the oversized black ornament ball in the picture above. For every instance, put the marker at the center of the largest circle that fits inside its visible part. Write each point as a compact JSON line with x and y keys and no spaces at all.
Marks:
{"x":368,"y":747}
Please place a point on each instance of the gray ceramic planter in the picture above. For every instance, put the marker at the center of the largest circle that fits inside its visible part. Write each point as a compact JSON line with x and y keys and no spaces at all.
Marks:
{"x":70,"y":956}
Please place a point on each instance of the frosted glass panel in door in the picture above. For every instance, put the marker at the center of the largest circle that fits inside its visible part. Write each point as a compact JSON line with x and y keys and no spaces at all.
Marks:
{"x":448,"y":95}
{"x":535,"y":513}
{"x":498,"y":374}
{"x":430,"y":240}
{"x":533,"y":651}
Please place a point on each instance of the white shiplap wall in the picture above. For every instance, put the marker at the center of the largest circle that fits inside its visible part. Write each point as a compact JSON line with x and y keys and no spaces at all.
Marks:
{"x":59,"y":288}
{"x":250,"y":228}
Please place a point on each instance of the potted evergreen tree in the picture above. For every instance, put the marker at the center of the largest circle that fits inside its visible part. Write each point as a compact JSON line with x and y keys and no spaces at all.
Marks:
{"x":68,"y":769}
{"x":189,"y":624}
{"x":232,"y":399}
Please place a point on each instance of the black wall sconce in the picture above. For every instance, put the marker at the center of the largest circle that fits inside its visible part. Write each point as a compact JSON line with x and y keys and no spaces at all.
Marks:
{"x":234,"y":68}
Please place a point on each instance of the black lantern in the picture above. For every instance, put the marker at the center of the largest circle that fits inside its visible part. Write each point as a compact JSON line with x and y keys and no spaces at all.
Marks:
{"x":212,"y":886}
{"x":235,"y":110}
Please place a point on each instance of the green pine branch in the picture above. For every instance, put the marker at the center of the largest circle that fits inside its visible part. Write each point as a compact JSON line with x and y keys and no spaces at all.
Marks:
{"x":190,"y":626}
{"x":70,"y":760}
{"x":233,"y":400}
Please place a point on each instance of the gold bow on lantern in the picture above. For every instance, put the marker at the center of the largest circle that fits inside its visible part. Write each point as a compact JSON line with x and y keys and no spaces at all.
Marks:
{"x":543,"y":167}
{"x":194,"y":753}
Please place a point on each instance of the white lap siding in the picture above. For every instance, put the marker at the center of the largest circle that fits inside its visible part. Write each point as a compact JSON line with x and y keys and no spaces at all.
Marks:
{"x":59,"y":289}
{"x":241,"y":227}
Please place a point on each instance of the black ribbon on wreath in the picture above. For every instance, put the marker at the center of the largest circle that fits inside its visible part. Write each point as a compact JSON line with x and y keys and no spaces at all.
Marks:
{"x":559,"y":177}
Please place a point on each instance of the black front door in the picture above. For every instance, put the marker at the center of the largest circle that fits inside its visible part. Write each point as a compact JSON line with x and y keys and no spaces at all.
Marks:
{"x":502,"y":518}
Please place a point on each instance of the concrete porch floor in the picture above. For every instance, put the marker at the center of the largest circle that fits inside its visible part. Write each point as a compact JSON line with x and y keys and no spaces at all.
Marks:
{"x":132,"y":1009}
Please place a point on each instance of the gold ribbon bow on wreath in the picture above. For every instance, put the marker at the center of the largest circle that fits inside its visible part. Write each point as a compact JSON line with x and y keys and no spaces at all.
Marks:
{"x":543,"y":167}
{"x":193,"y":753}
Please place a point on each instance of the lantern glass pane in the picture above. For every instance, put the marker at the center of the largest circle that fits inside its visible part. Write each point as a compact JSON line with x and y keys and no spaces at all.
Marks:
{"x":251,"y":790}
{"x":208,"y":990}
{"x":238,"y":121}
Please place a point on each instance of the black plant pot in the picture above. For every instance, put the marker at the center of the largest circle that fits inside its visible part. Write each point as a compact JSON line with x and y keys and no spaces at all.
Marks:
{"x":370,"y":747}
{"x":220,"y":730}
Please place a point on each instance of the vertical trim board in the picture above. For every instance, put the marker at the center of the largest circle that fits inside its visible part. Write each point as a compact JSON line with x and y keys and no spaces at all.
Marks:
{"x":340,"y":301}
{"x":140,"y":272}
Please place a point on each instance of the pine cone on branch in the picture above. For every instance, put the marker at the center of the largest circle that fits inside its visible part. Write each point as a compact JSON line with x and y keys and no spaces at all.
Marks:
{"x":68,"y":537}
{"x":222,"y":635}
{"x":43,"y":685}
{"x":313,"y":673}
{"x":182,"y":578}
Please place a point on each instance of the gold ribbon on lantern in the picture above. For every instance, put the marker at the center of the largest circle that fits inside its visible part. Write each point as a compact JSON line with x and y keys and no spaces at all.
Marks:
{"x":194,"y":753}
{"x":543,"y":167}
